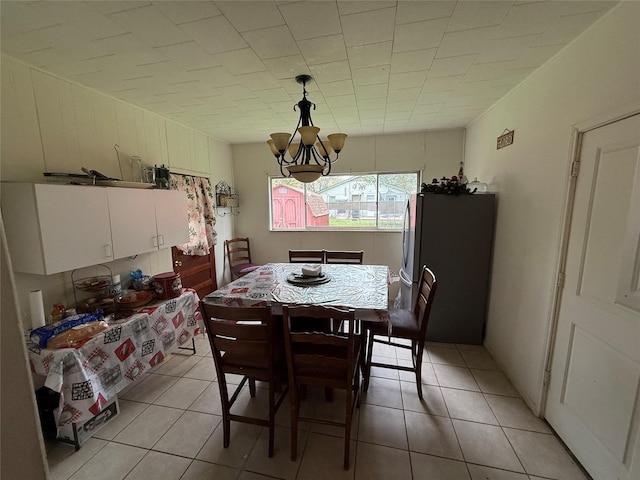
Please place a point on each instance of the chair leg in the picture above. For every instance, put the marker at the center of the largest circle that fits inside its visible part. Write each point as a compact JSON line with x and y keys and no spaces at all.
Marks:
{"x":419,"y":379}
{"x":367,"y":365}
{"x":414,"y":352}
{"x":252,"y":387}
{"x":363,"y":350}
{"x":295,"y":405}
{"x":226,"y":410}
{"x":347,"y":444}
{"x":272,"y":420}
{"x":418,"y":368}
{"x":226,"y":429}
{"x":356,"y":387}
{"x":347,"y":429}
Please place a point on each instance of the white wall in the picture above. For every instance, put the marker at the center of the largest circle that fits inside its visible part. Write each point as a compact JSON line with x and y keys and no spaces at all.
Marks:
{"x":50,"y":124}
{"x":597,"y":73}
{"x":435,"y":154}
{"x":22,"y":447}
{"x":221,"y":170}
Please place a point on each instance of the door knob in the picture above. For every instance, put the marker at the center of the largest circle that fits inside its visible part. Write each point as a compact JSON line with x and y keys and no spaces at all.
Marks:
{"x":177,"y":263}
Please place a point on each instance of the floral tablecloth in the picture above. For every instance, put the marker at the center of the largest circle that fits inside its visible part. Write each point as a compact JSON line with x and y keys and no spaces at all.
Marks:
{"x":90,"y":376}
{"x":362,"y":287}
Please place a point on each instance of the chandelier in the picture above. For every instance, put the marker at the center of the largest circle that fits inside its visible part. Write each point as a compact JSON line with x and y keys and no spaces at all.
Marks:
{"x":309,"y":159}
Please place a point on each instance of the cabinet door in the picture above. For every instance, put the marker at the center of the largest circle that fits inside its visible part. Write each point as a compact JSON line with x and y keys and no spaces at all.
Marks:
{"x":55,"y":228}
{"x":133,"y":221}
{"x":171,"y":217}
{"x":74,"y":224}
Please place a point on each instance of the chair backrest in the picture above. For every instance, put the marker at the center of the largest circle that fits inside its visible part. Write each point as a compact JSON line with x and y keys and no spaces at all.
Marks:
{"x":426,"y":293}
{"x":353,"y":257}
{"x":238,"y":251}
{"x":241,"y":339}
{"x":306,"y":256}
{"x":317,"y":358}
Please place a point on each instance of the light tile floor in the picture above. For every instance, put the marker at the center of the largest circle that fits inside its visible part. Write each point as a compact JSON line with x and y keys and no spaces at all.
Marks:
{"x":472,"y":425}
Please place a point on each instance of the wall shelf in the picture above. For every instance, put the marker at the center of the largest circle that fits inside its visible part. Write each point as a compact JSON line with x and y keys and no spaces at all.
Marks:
{"x":227,"y":197}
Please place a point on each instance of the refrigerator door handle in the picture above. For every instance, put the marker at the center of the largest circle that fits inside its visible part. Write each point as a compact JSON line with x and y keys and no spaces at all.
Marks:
{"x":405,"y":233}
{"x":405,"y":278}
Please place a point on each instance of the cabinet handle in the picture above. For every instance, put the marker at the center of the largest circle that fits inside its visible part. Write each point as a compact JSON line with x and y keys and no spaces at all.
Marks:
{"x":108,"y":251}
{"x":177,"y":263}
{"x":161,"y":239}
{"x":155,"y":241}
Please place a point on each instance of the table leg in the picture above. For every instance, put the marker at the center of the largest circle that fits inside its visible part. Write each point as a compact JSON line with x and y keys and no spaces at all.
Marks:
{"x":192,"y":347}
{"x":75,"y":441}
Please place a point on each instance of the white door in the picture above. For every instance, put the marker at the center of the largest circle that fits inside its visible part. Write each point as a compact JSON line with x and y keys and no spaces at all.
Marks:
{"x":593,"y":401}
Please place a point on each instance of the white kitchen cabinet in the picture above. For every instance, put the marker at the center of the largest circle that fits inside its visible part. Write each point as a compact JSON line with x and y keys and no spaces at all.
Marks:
{"x":133,"y":221}
{"x":143,"y":221}
{"x":54,"y":228}
{"x":172,"y":220}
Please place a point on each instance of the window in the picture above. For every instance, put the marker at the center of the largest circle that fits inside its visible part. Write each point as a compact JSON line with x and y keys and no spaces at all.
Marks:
{"x":365,"y":201}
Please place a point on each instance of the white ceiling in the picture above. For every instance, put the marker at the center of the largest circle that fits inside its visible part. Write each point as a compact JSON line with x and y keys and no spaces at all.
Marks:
{"x":227,"y":68}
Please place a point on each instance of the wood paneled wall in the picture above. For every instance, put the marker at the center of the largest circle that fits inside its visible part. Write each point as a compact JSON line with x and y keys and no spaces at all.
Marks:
{"x":51,"y":124}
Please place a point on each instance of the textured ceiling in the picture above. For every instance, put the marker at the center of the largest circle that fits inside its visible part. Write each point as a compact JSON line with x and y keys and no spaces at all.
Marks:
{"x":228,"y":68}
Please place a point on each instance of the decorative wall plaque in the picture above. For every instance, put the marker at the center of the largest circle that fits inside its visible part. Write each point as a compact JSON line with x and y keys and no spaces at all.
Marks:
{"x":505,"y":139}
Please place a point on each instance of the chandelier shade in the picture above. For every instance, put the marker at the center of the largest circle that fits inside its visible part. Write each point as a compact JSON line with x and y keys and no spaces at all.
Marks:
{"x":280,"y":141}
{"x":305,"y":173}
{"x":309,"y":156}
{"x":309,"y":135}
{"x":337,"y":141}
{"x":274,"y":150}
{"x":324,"y":148}
{"x":293,"y":149}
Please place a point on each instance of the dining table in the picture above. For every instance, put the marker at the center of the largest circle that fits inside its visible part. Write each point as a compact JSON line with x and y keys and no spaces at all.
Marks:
{"x":365,"y":288}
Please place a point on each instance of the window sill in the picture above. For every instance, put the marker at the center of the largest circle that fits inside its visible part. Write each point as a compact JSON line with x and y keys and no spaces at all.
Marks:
{"x":337,"y":229}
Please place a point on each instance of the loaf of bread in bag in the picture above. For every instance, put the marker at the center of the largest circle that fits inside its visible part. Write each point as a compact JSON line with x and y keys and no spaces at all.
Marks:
{"x":77,"y":336}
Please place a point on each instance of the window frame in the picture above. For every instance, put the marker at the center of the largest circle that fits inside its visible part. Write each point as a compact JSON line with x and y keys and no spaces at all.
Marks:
{"x":317,"y":229}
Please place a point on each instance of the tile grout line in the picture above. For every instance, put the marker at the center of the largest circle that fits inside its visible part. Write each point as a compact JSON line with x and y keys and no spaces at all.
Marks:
{"x":404,"y":407}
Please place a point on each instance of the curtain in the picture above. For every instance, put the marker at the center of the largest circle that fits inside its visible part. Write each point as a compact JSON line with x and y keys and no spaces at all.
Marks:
{"x":202,"y":218}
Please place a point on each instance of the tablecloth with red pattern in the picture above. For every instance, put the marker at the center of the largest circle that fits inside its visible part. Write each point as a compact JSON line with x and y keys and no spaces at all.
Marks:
{"x":88,"y":377}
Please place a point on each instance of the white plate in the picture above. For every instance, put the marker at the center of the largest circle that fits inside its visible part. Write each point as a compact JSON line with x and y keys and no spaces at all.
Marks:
{"x":124,"y":184}
{"x":297,"y":279}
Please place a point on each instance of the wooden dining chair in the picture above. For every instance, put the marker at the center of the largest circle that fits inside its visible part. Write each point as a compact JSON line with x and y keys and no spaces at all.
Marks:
{"x":344,"y":257}
{"x":247,"y":341}
{"x":349,"y":257}
{"x":405,"y":324}
{"x":238,"y":252}
{"x":322,"y":359}
{"x":306,"y":256}
{"x":312,"y":257}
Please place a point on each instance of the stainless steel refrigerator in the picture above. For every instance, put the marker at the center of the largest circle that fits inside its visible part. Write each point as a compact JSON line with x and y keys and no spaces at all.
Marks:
{"x":453,"y":236}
